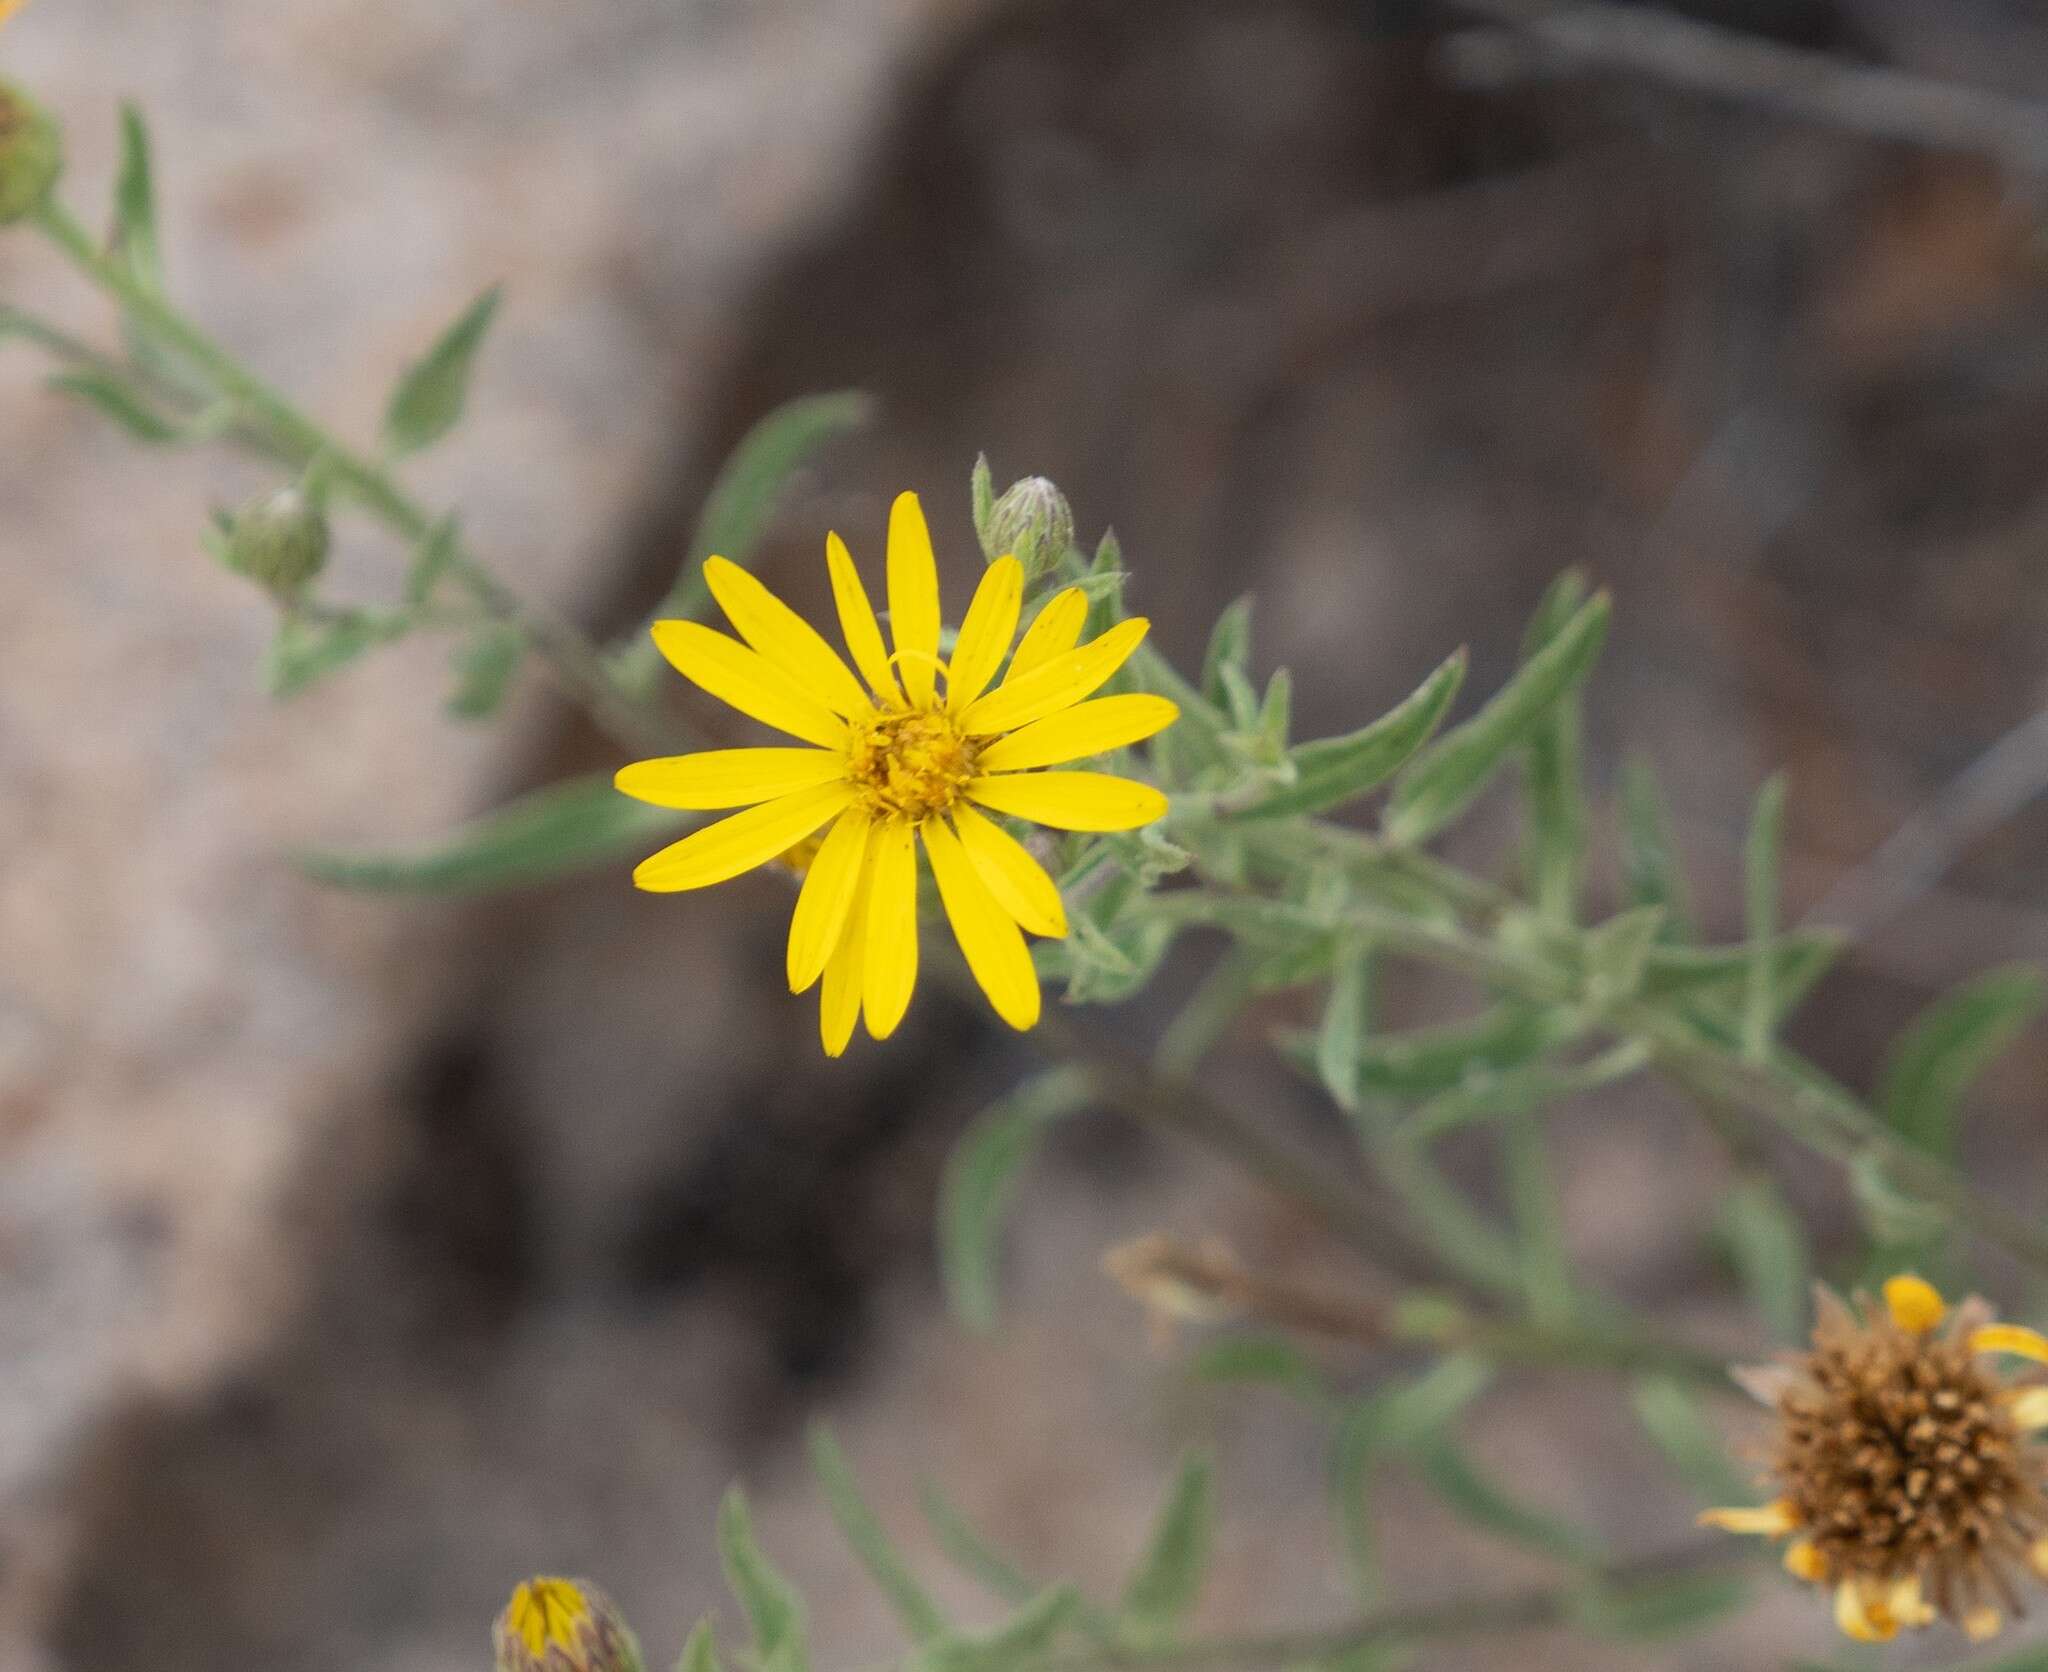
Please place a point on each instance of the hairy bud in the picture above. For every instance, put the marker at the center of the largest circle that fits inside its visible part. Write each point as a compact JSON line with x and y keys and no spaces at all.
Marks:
{"x":280,"y":542}
{"x":563,"y":1625}
{"x":31,"y":154}
{"x":1033,"y":522}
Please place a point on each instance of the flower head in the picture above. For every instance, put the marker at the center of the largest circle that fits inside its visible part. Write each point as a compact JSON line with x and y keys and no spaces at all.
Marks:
{"x":562,"y":1625}
{"x":914,"y":749}
{"x":1911,"y":1483}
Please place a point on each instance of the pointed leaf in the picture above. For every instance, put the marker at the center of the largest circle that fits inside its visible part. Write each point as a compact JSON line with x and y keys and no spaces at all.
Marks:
{"x":575,"y":825}
{"x":1478,"y":1500}
{"x":1652,"y":873}
{"x":980,"y":1175}
{"x":122,"y":400}
{"x":1340,"y":1042}
{"x":1764,"y":1238}
{"x":1230,"y":646}
{"x":432,"y":558}
{"x":430,"y":398}
{"x":484,"y":668}
{"x":773,"y":1608}
{"x":1670,"y":1414}
{"x":133,"y":241}
{"x":1442,"y":782}
{"x":700,"y":1649}
{"x":1020,"y":1642}
{"x":1948,"y":1046}
{"x":863,"y":1532}
{"x":1556,"y":844}
{"x":1760,"y":1008}
{"x":1168,"y":1578}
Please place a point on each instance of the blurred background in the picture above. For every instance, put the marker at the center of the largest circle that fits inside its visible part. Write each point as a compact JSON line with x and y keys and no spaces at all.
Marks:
{"x":359,"y":1256}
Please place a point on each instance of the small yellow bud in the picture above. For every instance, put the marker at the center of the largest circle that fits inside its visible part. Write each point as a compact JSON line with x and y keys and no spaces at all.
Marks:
{"x":31,"y":154}
{"x":1032,"y":522}
{"x":279,"y":542}
{"x":1915,"y":1304}
{"x":563,"y":1625}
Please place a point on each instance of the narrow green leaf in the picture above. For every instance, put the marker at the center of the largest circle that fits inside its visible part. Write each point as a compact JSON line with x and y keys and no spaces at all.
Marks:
{"x":1556,"y":844}
{"x":1948,"y":1045}
{"x":981,"y":498}
{"x":1441,"y":782}
{"x":1893,"y":1215}
{"x":1333,"y":770}
{"x":1168,"y":1578}
{"x":1659,"y":1608}
{"x":1652,"y":874}
{"x":1515,"y":1091}
{"x":1230,"y":646}
{"x":133,"y":241}
{"x":123,"y":401}
{"x":1670,"y":1414}
{"x":1276,"y":711}
{"x":1422,"y":1062}
{"x":1467,"y":1492}
{"x":484,"y":667}
{"x":1719,"y":975}
{"x":1263,"y":1359}
{"x":1765,"y":1240}
{"x":971,"y":1553}
{"x":980,"y":1175}
{"x":1024,"y":1639}
{"x":774,"y":1610}
{"x":432,"y":395}
{"x":700,"y":1649}
{"x":306,"y":652}
{"x":432,"y":558}
{"x":575,"y":825}
{"x":1618,"y":950}
{"x":1340,"y":1041}
{"x":1538,"y":1218}
{"x":1760,"y":1010}
{"x":864,"y":1534}
{"x":1241,"y":702}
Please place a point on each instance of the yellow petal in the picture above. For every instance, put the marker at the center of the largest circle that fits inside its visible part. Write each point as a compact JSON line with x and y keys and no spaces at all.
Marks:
{"x":913,"y":599}
{"x":857,"y":623}
{"x":728,"y":777}
{"x":2029,"y":1408}
{"x":747,"y":680}
{"x":891,"y":968}
{"x":1055,"y":684}
{"x":986,"y":632}
{"x":1980,"y":1625}
{"x":1071,"y":800}
{"x":2037,"y":1557}
{"x":1861,"y":1614}
{"x":741,"y":842}
{"x":785,"y":638}
{"x":1805,"y":1562}
{"x":1054,"y":631}
{"x":1088,"y":728}
{"x":2010,"y":1338}
{"x":1772,"y":1520}
{"x":1905,"y":1604}
{"x":820,"y":918}
{"x":1018,"y":881}
{"x":1916,"y":1304}
{"x":839,"y":1002}
{"x":988,"y":936}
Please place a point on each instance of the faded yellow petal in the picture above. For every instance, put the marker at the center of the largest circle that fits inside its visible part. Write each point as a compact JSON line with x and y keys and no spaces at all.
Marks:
{"x":1804,"y":1561}
{"x":989,"y":937}
{"x":1980,"y":1625}
{"x":2037,"y":1557}
{"x":1860,"y":1614}
{"x":1071,"y":800}
{"x":1088,"y":728}
{"x":1054,"y":631}
{"x":785,"y":638}
{"x":2016,"y":1339}
{"x":857,"y":623}
{"x":1018,"y":881}
{"x":913,"y":599}
{"x":747,"y":680}
{"x":1906,"y":1605}
{"x":985,"y":632}
{"x":839,"y":1001}
{"x":728,"y":777}
{"x":890,"y":974}
{"x":2029,"y":1408}
{"x":1772,"y":1520}
{"x":741,"y":842}
{"x":1058,"y":683}
{"x":1915,"y":1304}
{"x":820,"y":918}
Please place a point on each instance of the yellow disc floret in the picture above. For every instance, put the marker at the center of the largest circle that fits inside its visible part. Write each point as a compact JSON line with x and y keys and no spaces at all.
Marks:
{"x":910,"y":766}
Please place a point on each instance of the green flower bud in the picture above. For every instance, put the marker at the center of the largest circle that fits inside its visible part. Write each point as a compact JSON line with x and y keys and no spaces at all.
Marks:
{"x":279,"y":542}
{"x":31,"y":154}
{"x":1032,"y":522}
{"x":563,"y":1625}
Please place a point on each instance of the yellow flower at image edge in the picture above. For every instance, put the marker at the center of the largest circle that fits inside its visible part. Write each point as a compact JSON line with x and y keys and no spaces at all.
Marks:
{"x":895,"y":759}
{"x":562,"y":1625}
{"x":1913,"y":1485}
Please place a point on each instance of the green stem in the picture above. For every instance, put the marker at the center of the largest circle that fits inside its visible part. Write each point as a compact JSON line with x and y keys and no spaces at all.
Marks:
{"x":293,"y":436}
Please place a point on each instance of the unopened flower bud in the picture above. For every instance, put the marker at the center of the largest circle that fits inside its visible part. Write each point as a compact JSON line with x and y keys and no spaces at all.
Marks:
{"x":31,"y":154}
{"x":563,"y":1625}
{"x":1032,"y":522}
{"x":279,"y":542}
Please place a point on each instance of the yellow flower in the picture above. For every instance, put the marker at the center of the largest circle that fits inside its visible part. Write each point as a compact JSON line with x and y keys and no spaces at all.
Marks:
{"x":1909,"y":1469}
{"x":898,"y":759}
{"x":563,"y":1625}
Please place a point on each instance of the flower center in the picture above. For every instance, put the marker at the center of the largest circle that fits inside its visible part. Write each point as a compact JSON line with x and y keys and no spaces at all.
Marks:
{"x":910,"y":765}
